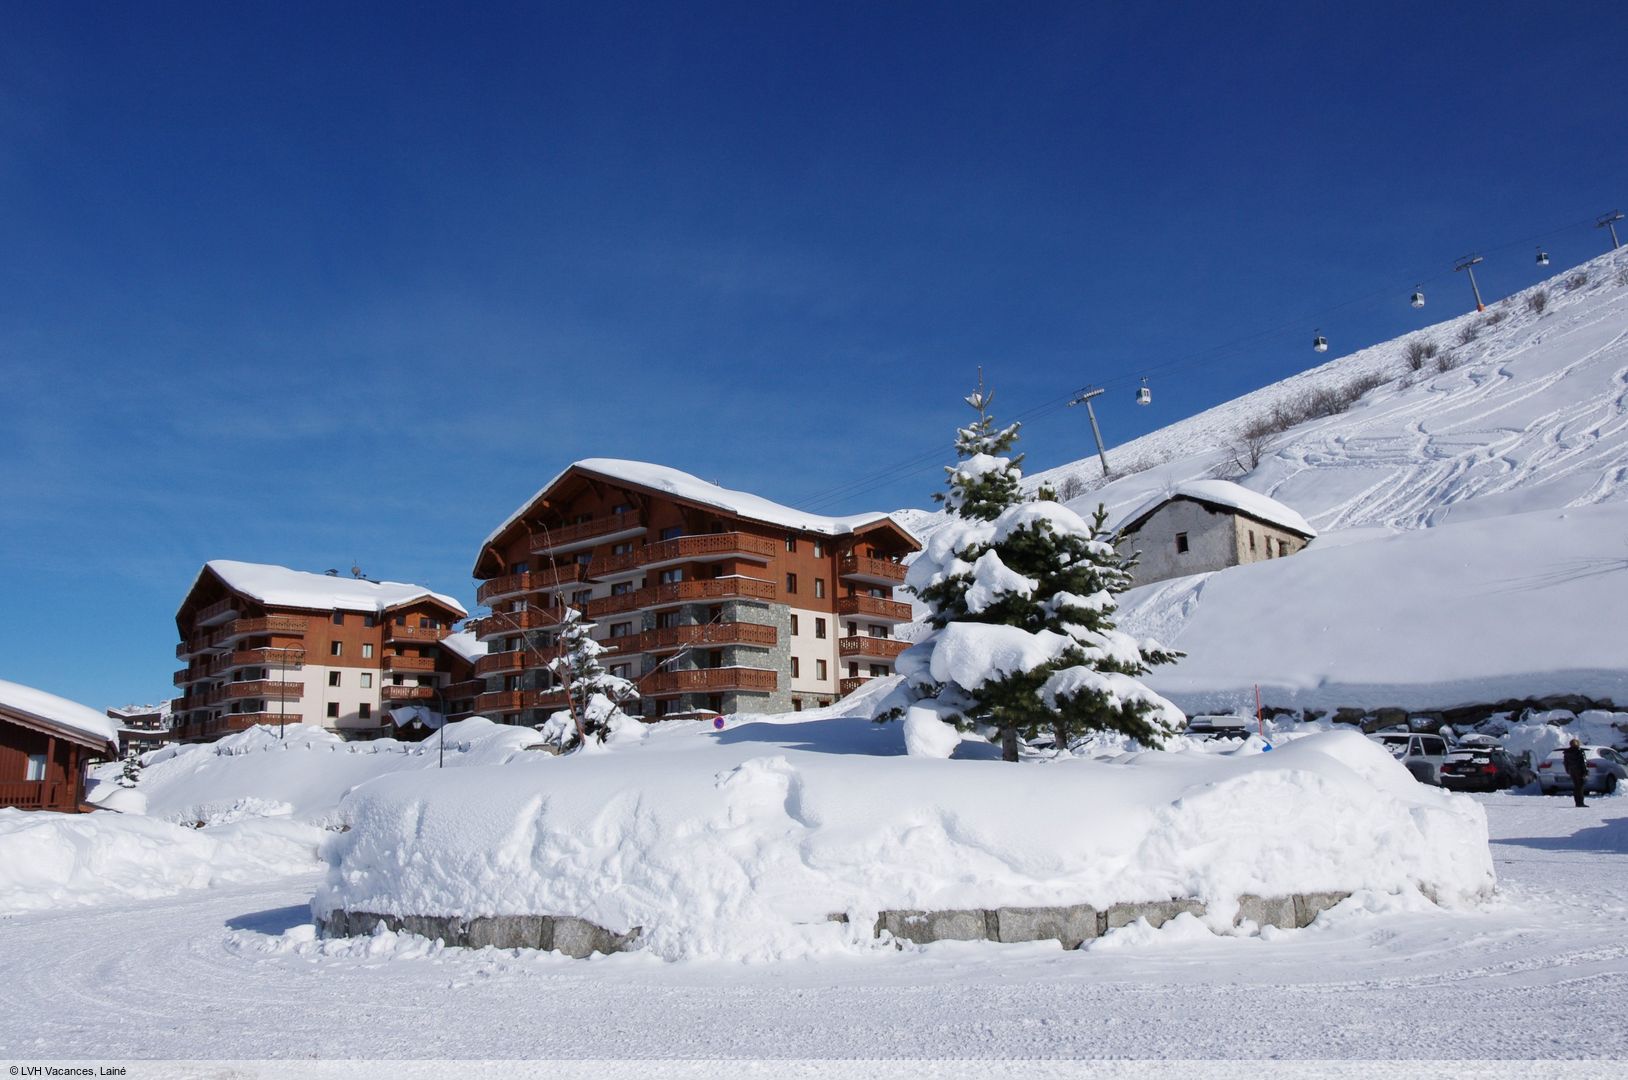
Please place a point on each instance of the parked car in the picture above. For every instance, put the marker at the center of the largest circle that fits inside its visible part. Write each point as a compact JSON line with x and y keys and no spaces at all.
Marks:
{"x":1476,"y":768}
{"x":1607,"y":770}
{"x":1212,"y":728}
{"x":1423,"y":755}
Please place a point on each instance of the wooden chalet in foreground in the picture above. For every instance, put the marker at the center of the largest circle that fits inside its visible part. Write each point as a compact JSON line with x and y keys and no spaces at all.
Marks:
{"x":712,"y":600}
{"x":269,"y":645}
{"x":46,"y":745}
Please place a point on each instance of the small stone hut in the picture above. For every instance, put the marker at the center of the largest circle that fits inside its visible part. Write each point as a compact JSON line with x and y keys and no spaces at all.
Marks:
{"x":1205,"y":525}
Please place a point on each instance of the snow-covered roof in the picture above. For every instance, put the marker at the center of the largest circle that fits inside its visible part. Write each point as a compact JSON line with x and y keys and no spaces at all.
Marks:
{"x":465,"y":644}
{"x":127,"y":712}
{"x":278,"y":586}
{"x":1223,"y":493}
{"x":692,"y":488}
{"x":67,"y":716}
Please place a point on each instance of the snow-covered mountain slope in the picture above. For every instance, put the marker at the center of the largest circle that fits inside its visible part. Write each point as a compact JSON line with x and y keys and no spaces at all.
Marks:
{"x":1493,"y":592}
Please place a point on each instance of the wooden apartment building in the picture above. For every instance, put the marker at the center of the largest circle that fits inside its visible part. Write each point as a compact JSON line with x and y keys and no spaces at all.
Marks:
{"x":47,"y":743}
{"x":711,"y":599}
{"x":269,"y":645}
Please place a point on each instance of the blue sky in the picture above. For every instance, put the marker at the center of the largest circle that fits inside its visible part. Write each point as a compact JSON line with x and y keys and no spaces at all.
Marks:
{"x":323,"y":284}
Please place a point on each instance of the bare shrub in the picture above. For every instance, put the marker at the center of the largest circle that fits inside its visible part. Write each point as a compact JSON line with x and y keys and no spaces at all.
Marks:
{"x":1447,"y":361}
{"x":1072,"y":487}
{"x":1538,"y":301}
{"x":1249,"y":445}
{"x":1418,"y":351}
{"x":1468,"y":333}
{"x":1493,"y":319}
{"x":1576,"y":281}
{"x":1622,"y":276}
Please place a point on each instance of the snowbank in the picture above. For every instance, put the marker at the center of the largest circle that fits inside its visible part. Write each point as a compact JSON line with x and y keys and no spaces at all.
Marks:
{"x":741,"y":844}
{"x":70,"y":860}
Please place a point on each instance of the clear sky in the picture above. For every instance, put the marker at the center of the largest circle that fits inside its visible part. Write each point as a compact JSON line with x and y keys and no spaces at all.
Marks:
{"x":322,"y":284}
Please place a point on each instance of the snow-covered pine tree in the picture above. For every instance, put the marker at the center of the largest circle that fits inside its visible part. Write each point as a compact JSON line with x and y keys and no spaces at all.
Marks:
{"x":1020,"y":599}
{"x":596,"y":696}
{"x":132,"y":769}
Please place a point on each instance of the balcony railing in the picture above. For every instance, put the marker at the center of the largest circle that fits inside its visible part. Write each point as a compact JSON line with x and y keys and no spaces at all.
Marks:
{"x":182,"y":677}
{"x":394,"y":632}
{"x":874,"y":607}
{"x":508,"y":701}
{"x":37,"y":794}
{"x":878,"y":571}
{"x":709,"y":680}
{"x":673,"y":638}
{"x":458,"y":691}
{"x":515,"y":660}
{"x":407,"y":693}
{"x":213,"y":612}
{"x":291,"y":625}
{"x":258,"y":688}
{"x":409,"y":663}
{"x":686,"y":549}
{"x":532,"y":581}
{"x":879,"y":647}
{"x":513,"y":622}
{"x":227,"y":725}
{"x":848,"y":686}
{"x":682,"y":592}
{"x":553,"y":539}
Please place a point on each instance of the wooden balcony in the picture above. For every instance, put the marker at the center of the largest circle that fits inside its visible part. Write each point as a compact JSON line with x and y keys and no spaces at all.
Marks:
{"x":258,"y":688}
{"x":513,"y":622}
{"x":393,"y":632}
{"x":702,"y":548}
{"x":182,"y":677}
{"x":682,"y":592}
{"x":38,"y":795}
{"x":530,"y":582}
{"x":409,"y":663}
{"x":674,"y":638}
{"x":292,"y":625}
{"x":874,"y":607}
{"x":460,"y":691}
{"x":227,"y":725}
{"x":586,"y":533}
{"x":267,"y":657}
{"x":709,"y":681}
{"x":848,"y":686}
{"x":504,"y":663}
{"x":878,"y":648}
{"x":407,"y":693}
{"x":509,"y":701}
{"x":871,"y":571}
{"x":216,"y":612}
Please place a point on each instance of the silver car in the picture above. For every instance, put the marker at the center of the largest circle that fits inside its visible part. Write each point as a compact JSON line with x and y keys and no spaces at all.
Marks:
{"x":1606,"y":770}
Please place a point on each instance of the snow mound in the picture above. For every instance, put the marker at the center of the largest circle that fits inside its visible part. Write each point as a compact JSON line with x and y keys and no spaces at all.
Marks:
{"x":50,"y":861}
{"x":740,"y":845}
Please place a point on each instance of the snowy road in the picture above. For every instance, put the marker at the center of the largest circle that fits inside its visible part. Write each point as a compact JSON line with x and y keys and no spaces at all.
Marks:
{"x":1542,"y":972}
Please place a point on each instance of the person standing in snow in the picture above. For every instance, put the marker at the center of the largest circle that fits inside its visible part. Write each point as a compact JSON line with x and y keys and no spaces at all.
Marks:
{"x":1576,"y":768}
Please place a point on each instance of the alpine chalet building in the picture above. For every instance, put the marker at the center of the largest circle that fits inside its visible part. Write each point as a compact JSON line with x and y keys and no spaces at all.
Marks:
{"x":269,"y":645}
{"x":711,"y":599}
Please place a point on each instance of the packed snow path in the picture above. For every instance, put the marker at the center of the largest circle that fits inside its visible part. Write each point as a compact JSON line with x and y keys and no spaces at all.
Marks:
{"x":1541,"y":973}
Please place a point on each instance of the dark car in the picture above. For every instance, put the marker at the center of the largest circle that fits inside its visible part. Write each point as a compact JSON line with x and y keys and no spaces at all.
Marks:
{"x":1483,"y":769}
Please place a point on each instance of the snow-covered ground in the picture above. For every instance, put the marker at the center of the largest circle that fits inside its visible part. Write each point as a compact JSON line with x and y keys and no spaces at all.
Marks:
{"x":1541,"y":973}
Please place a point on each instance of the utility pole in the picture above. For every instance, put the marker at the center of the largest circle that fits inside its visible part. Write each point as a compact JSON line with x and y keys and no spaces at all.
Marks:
{"x":1609,"y":221}
{"x":1084,"y":398}
{"x":292,"y":654}
{"x":1468,"y":263}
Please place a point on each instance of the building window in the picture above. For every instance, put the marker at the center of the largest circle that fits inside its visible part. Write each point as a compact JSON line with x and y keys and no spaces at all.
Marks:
{"x":365,"y":711}
{"x":666,"y":620}
{"x":580,"y":598}
{"x":336,"y":648}
{"x":791,"y":583}
{"x":367,"y":651}
{"x":819,"y":628}
{"x":622,"y":671}
{"x":794,"y":625}
{"x":673,"y":576}
{"x":819,"y":588}
{"x":430,"y":624}
{"x":36,"y":767}
{"x":791,"y":542}
{"x":796,"y":704}
{"x":333,"y":678}
{"x":672,"y":532}
{"x":333,"y":710}
{"x":819,"y":549}
{"x":1283,"y":547}
{"x":1181,"y":543}
{"x":370,"y":621}
{"x":339,"y":618}
{"x":1252,"y":542}
{"x":621,"y":588}
{"x":367,"y":680}
{"x":401,"y":620}
{"x":624,"y":548}
{"x":822,"y":670}
{"x":853,"y":669}
{"x":796,"y":668}
{"x":621,"y":629}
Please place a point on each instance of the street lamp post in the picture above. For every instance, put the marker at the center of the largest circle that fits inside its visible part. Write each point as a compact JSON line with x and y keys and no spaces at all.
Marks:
{"x":1468,"y":264}
{"x":1084,"y":398}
